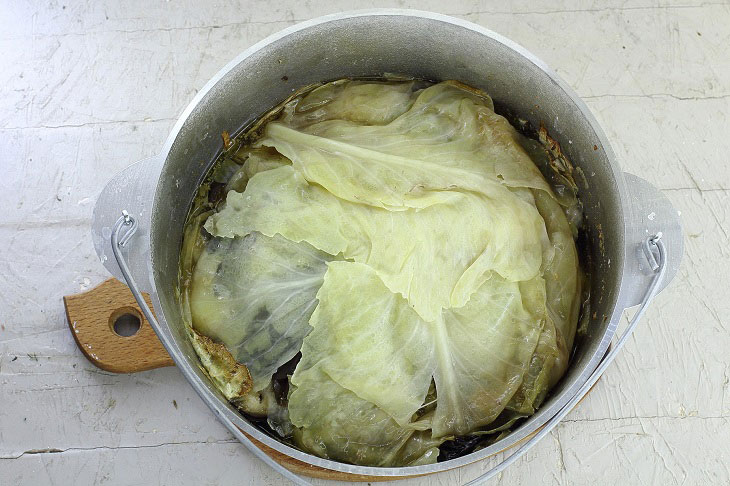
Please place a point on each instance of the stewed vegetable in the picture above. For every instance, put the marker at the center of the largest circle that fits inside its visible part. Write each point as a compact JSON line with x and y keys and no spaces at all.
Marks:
{"x":395,"y":249}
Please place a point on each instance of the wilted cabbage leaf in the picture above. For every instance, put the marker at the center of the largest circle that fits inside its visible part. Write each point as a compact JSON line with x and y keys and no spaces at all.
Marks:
{"x":255,"y":295}
{"x":379,"y":348}
{"x":405,"y":247}
{"x":379,"y":327}
{"x":368,"y":103}
{"x":334,"y":423}
{"x":449,"y":138}
{"x":256,"y":160}
{"x":398,"y":237}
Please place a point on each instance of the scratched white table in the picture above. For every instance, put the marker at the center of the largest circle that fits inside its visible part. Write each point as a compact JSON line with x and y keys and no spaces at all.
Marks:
{"x":88,"y":87}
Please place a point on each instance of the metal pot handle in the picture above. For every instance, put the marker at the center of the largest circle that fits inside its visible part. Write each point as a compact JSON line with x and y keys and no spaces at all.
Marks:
{"x":656,"y":258}
{"x":118,"y":242}
{"x":654,"y":264}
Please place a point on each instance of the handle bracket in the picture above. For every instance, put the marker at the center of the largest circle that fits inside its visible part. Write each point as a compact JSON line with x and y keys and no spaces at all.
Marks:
{"x":134,"y":187}
{"x":648,"y":212}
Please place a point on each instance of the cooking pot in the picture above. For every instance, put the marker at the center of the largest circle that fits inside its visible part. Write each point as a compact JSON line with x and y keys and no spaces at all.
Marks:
{"x":624,"y":216}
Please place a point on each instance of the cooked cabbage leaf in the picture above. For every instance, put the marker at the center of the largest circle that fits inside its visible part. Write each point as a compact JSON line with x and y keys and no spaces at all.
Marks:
{"x":448,"y":139}
{"x":562,"y":277}
{"x":369,"y":103}
{"x":369,"y":341}
{"x":404,"y":241}
{"x":337,"y":424}
{"x":255,"y":295}
{"x":483,"y":350}
{"x":407,"y":247}
{"x":256,"y":160}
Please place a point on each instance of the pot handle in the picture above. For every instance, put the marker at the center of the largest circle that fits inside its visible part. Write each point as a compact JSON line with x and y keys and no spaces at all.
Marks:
{"x":648,"y":212}
{"x":109,"y":328}
{"x":132,"y":189}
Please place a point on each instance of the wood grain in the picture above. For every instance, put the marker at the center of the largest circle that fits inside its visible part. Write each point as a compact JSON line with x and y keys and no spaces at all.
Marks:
{"x":91,"y":316}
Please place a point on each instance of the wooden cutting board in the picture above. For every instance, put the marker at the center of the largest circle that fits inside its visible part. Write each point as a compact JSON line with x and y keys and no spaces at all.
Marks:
{"x":92,"y":318}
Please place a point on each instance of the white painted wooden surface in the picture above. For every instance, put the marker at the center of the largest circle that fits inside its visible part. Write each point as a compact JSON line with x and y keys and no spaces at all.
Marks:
{"x":88,"y":87}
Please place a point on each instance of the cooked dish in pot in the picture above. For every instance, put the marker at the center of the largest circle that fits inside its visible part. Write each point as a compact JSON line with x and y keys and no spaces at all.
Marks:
{"x":378,"y":272}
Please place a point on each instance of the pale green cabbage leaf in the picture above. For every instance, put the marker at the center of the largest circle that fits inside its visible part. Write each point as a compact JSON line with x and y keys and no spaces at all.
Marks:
{"x":368,"y":103}
{"x":255,"y":295}
{"x":448,"y":139}
{"x":432,"y":249}
{"x":370,"y":341}
{"x":335,"y":423}
{"x":404,"y":247}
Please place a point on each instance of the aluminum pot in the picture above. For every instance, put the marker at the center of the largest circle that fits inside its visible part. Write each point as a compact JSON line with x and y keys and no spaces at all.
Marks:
{"x":621,"y":210}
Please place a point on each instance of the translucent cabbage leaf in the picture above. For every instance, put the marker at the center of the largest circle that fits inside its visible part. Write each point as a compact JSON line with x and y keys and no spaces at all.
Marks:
{"x":449,"y":138}
{"x":406,"y":243}
{"x":561,"y":273}
{"x":377,"y":346}
{"x":406,"y":248}
{"x":562,"y":304}
{"x":335,"y":423}
{"x":483,"y":350}
{"x":255,"y":295}
{"x":256,"y":160}
{"x":371,"y":342}
{"x":369,"y":103}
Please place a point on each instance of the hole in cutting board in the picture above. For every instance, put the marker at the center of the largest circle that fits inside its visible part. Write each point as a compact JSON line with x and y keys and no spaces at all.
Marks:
{"x":127,"y":324}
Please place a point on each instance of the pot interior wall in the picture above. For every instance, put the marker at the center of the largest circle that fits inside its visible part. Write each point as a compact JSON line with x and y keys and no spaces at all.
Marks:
{"x":418,"y":47}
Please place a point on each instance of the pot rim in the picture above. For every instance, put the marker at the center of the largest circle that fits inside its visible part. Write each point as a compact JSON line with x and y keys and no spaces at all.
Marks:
{"x":233,"y":420}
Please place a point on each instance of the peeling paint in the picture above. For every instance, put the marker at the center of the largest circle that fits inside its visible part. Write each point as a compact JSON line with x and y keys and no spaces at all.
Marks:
{"x":90,"y":89}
